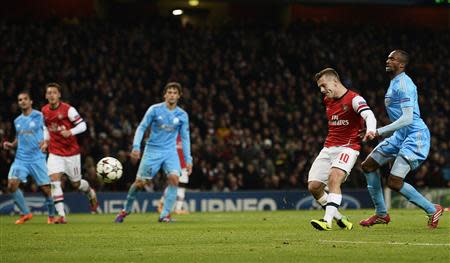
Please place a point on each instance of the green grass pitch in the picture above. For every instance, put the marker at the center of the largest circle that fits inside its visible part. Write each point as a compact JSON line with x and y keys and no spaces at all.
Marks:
{"x":283,"y":236}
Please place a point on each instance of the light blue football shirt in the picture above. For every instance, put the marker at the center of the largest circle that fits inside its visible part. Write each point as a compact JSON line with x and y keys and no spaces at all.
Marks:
{"x":402,"y":93}
{"x":29,"y":133}
{"x":165,"y":125}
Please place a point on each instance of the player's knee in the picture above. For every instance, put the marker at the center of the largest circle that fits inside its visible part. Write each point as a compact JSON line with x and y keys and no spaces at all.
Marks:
{"x":76,"y":185}
{"x":13,"y":185}
{"x":139,"y":184}
{"x":395,"y":183}
{"x":172,"y":179}
{"x":369,"y":165}
{"x":55,"y":177}
{"x":46,"y":190}
{"x":315,"y":187}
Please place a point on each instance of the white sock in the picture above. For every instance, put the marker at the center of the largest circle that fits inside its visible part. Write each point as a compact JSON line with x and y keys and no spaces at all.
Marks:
{"x":58,"y":197}
{"x":180,"y":198}
{"x":323,"y":202}
{"x":333,"y":202}
{"x":84,"y":186}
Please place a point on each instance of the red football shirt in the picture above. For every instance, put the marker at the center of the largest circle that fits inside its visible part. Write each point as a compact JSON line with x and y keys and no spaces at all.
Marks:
{"x":344,"y":120}
{"x":65,"y":117}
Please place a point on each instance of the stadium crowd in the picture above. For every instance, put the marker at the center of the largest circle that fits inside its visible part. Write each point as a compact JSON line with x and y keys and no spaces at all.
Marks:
{"x":257,"y":120}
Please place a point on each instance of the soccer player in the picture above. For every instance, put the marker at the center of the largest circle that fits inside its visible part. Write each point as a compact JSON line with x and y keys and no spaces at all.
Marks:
{"x":407,"y":142}
{"x":63,"y":123}
{"x":30,"y":158}
{"x":166,"y":120}
{"x":346,"y":111}
{"x":181,"y":192}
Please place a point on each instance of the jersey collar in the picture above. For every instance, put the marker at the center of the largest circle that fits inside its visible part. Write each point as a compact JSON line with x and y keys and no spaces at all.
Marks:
{"x":342,"y":95}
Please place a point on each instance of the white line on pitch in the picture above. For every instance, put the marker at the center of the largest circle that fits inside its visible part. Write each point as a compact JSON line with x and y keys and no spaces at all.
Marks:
{"x":384,"y":243}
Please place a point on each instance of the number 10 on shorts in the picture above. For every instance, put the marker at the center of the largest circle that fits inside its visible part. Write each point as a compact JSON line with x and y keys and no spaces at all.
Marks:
{"x":344,"y":157}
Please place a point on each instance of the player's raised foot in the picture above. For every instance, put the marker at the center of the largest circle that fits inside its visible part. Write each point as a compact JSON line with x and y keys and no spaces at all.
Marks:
{"x":23,"y":218}
{"x":181,"y":212}
{"x":51,"y":220}
{"x":166,"y":219}
{"x":320,"y":224}
{"x":433,"y":219}
{"x":93,"y":202}
{"x":120,"y":217}
{"x":344,"y":223}
{"x":375,"y":219}
{"x":61,"y":220}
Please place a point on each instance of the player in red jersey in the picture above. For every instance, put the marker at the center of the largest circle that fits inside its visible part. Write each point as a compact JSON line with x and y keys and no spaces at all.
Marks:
{"x":346,"y":113}
{"x":181,"y":191}
{"x":63,"y":123}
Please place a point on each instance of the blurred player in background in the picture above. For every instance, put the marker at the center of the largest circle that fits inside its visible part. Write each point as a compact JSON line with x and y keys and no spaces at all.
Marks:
{"x":184,"y":179}
{"x":30,"y":157}
{"x":346,"y":112}
{"x":407,"y":142}
{"x":166,"y":120}
{"x":63,"y":123}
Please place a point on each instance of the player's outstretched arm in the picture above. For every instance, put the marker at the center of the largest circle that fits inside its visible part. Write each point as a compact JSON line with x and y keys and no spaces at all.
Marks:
{"x":404,"y":120}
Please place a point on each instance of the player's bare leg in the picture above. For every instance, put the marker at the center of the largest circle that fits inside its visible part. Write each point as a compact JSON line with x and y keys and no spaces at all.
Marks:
{"x":58,"y":197}
{"x":84,"y":187}
{"x":334,"y":200}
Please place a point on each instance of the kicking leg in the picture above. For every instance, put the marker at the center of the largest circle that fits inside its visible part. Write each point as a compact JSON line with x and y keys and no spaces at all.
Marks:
{"x":334,"y":199}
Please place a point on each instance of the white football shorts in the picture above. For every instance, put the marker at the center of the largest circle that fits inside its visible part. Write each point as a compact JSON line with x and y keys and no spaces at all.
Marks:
{"x":340,"y":157}
{"x":70,"y":165}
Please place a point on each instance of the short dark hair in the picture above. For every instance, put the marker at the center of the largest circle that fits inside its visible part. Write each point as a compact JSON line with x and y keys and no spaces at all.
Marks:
{"x":327,"y":71}
{"x":53,"y":85}
{"x":404,"y":56}
{"x":175,"y":85}
{"x":25,"y":91}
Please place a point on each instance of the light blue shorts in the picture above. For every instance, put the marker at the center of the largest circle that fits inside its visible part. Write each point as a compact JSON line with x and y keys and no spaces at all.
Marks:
{"x":21,"y":170}
{"x":414,"y":148}
{"x":153,"y":161}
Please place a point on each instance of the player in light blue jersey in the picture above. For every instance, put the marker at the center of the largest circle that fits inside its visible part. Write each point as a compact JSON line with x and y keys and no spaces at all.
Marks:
{"x":166,"y":120}
{"x":407,"y":142}
{"x":30,"y":158}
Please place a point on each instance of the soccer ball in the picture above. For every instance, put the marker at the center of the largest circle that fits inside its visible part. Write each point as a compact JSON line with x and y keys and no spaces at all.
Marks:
{"x":109,"y":169}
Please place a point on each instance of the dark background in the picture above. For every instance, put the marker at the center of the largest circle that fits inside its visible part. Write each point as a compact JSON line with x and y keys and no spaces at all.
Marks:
{"x":247,"y":69}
